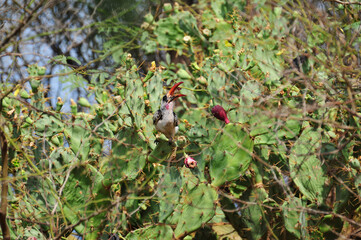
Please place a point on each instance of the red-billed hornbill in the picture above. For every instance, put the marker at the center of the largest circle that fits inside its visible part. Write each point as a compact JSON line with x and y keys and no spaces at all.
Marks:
{"x":165,"y":120}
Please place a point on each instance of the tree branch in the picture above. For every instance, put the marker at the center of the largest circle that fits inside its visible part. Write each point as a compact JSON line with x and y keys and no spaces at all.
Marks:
{"x":23,"y":23}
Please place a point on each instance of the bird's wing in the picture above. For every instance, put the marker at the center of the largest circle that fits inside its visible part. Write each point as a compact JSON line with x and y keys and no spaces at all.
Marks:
{"x":175,"y":120}
{"x":157,"y":116}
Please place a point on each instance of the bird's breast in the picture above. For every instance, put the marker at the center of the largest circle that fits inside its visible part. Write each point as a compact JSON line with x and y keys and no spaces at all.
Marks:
{"x":166,"y":125}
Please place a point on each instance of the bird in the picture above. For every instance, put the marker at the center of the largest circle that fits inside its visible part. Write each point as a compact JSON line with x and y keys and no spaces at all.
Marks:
{"x":164,"y":119}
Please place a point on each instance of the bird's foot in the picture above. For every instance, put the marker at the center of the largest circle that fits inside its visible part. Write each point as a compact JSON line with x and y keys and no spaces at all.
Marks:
{"x":170,"y":142}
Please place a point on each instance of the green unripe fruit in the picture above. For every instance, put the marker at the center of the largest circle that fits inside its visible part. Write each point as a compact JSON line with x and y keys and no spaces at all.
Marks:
{"x":105,"y":96}
{"x":73,"y":107}
{"x":149,"y":75}
{"x":24,"y":94}
{"x":29,"y":120}
{"x":55,"y":140}
{"x":41,"y":70}
{"x":59,"y":104}
{"x":195,"y":66}
{"x":148,"y":18}
{"x":34,"y":83}
{"x":6,"y":102}
{"x":84,"y":102}
{"x":167,"y":7}
{"x":25,"y":125}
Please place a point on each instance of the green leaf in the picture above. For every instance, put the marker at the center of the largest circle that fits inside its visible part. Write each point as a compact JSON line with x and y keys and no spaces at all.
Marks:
{"x":73,"y":59}
{"x":84,"y":194}
{"x":226,"y":231}
{"x":48,"y":126}
{"x":78,"y":136}
{"x":223,"y":31}
{"x":232,"y":154}
{"x":307,"y":170}
{"x":295,"y":218}
{"x":155,"y":91}
{"x":253,"y":215}
{"x":197,"y":206}
{"x":358,"y":184}
{"x":183,"y":74}
{"x":269,"y":64}
{"x":126,"y":162}
{"x":168,"y":192}
{"x":152,"y":232}
{"x":169,"y":33}
{"x":161,"y":152}
{"x":134,"y":96}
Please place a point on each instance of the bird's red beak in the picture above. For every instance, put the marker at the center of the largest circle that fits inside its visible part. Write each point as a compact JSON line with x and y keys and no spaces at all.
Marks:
{"x":171,"y":95}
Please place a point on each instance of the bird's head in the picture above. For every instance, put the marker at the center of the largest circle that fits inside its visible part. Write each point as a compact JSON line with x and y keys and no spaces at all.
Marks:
{"x":167,"y":100}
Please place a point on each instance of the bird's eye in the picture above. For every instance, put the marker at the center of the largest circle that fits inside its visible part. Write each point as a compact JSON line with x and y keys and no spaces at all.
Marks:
{"x":165,"y":98}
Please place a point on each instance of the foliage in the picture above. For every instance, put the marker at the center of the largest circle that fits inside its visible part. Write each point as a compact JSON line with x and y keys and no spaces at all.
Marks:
{"x":287,"y":166}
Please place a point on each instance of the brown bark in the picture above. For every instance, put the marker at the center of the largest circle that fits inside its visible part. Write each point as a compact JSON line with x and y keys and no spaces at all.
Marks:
{"x":4,"y":186}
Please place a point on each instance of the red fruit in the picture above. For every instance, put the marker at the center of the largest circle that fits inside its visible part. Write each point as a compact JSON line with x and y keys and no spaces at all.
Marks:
{"x":219,"y":112}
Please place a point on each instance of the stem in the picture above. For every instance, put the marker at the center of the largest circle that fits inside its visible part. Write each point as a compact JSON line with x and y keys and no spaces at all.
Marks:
{"x":4,"y":186}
